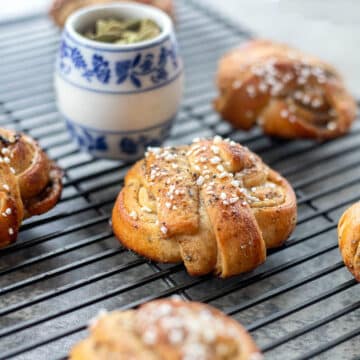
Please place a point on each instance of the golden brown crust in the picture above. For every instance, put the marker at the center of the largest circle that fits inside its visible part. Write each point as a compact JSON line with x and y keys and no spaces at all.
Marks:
{"x":11,"y":208}
{"x":290,"y":94}
{"x":61,"y":9}
{"x":168,"y":329}
{"x":213,"y":205}
{"x":349,"y":239}
{"x":30,"y":184}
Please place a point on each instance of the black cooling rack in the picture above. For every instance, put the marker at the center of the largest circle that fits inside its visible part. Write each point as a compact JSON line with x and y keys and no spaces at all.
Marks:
{"x":66,"y":266}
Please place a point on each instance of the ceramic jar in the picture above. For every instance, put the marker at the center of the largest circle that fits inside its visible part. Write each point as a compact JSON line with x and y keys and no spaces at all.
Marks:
{"x":117,"y":100}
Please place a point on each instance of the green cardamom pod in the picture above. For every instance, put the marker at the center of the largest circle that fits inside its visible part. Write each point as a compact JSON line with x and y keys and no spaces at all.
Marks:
{"x":123,"y":31}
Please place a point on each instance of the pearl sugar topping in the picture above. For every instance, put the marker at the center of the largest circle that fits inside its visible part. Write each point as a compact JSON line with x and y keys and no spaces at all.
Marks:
{"x":194,"y":330}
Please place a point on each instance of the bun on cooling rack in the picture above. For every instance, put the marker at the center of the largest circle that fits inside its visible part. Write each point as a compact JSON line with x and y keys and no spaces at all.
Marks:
{"x":213,"y":205}
{"x":164,"y":330}
{"x":289,"y":94}
{"x":349,"y":239}
{"x":61,"y":9}
{"x":30,"y":184}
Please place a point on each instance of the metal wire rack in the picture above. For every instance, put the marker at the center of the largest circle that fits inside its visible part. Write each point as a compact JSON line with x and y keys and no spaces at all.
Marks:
{"x":301,"y":304}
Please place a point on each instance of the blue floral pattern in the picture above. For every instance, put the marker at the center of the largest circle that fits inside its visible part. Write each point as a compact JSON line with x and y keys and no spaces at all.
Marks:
{"x":126,"y":145}
{"x":86,"y":139}
{"x":100,"y":69}
{"x":135,"y":70}
{"x":137,"y":144}
{"x":99,"y":66}
{"x":147,"y":65}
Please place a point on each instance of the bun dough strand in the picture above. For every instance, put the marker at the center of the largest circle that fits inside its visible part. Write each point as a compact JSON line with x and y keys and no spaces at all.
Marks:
{"x":213,"y":205}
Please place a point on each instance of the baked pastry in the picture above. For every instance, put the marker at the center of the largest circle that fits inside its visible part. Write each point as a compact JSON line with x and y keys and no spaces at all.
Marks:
{"x":213,"y":205}
{"x":289,"y":94}
{"x":30,"y":184}
{"x":349,"y":239}
{"x":167,"y":329}
{"x":61,"y":9}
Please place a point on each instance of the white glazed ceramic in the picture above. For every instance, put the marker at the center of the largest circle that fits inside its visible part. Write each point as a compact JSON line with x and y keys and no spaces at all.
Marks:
{"x":118,"y":99}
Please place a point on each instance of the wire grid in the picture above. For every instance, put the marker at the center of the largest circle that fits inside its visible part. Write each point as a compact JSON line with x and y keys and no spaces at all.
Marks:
{"x":301,"y":304}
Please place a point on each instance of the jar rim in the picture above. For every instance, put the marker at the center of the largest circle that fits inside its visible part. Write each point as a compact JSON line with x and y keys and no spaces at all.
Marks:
{"x":83,"y":17}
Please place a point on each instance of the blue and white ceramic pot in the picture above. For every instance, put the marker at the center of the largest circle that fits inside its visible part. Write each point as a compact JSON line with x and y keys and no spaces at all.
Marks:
{"x":118,"y":99}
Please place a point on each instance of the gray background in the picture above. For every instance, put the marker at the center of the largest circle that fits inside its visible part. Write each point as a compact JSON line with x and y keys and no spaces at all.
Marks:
{"x":327,"y":28}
